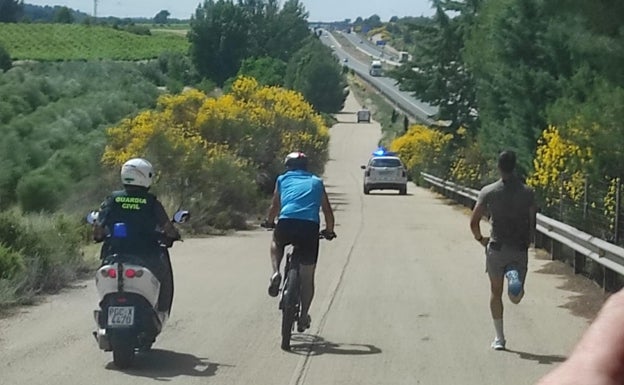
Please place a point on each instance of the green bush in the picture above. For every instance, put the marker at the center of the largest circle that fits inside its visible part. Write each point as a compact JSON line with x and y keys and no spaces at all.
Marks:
{"x":41,"y":190}
{"x":220,"y":193}
{"x":138,"y":30}
{"x":11,"y":262}
{"x":5,"y":59}
{"x":53,"y":118}
{"x":38,"y":253}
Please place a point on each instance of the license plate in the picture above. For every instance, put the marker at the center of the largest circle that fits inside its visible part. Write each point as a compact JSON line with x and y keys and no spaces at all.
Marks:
{"x":120,"y":316}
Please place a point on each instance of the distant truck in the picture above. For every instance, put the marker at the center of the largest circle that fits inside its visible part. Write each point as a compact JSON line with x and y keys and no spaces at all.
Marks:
{"x":375,"y":68}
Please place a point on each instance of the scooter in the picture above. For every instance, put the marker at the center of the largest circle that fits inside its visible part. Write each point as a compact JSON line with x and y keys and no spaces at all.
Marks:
{"x":128,"y":319}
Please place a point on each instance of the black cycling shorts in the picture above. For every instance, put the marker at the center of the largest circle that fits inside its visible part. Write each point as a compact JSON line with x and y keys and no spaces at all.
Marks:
{"x":300,"y":233}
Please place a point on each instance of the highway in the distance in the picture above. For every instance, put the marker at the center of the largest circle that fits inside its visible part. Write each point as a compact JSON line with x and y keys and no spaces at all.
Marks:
{"x":420,"y":110}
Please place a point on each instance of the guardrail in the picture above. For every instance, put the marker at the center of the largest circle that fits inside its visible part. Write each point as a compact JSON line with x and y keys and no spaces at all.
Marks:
{"x":561,"y":240}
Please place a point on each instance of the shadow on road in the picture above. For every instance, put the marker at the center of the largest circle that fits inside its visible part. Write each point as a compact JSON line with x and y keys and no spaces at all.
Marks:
{"x":539,"y":358}
{"x":165,"y":364}
{"x":390,"y":193}
{"x":312,"y":345}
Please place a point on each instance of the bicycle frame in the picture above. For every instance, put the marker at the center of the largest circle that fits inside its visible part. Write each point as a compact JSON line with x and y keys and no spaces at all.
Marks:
{"x":292,"y":264}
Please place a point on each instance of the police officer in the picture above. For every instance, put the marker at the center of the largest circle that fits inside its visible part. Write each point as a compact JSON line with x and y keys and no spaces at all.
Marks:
{"x":143,"y":215}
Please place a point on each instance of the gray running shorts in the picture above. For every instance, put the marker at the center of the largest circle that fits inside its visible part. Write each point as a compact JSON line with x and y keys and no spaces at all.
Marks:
{"x":499,"y":257}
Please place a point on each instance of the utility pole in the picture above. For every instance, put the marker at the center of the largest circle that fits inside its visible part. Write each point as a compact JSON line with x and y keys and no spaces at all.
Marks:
{"x":95,"y":2}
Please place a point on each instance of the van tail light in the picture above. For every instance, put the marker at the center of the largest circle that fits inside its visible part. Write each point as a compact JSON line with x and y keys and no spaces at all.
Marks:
{"x":403,"y":174}
{"x":368,"y":172}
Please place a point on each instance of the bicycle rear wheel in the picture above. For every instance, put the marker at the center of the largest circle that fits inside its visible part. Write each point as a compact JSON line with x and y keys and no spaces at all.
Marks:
{"x":290,"y":306}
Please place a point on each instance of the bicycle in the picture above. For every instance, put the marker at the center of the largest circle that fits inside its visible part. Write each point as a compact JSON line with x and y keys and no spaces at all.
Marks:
{"x":290,"y":298}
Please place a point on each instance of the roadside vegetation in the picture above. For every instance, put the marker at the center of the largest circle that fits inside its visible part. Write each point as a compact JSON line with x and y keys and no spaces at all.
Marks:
{"x":216,"y":120}
{"x":527,"y":76}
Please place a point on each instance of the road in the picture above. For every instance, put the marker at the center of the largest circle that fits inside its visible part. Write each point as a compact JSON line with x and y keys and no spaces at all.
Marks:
{"x":405,"y":100}
{"x":401,"y":299}
{"x":367,"y":47}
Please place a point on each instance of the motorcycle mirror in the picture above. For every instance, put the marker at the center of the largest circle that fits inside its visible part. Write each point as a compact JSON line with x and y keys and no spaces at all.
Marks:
{"x":92,"y":217}
{"x":181,"y":216}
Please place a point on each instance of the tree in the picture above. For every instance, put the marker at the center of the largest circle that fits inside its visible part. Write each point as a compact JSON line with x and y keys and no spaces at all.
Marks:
{"x":63,"y":15}
{"x":288,"y":31}
{"x":5,"y":59}
{"x":438,"y":74}
{"x":11,"y":10}
{"x":224,"y":33}
{"x":220,"y":39}
{"x":266,"y":70}
{"x":315,"y":73}
{"x":162,"y":17}
{"x":516,"y":70}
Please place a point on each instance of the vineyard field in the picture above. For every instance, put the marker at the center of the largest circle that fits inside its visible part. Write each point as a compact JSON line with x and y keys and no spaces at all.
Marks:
{"x":58,"y":42}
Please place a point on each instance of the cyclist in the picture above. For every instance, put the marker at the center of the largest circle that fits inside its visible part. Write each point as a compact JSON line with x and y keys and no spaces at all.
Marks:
{"x":297,"y":199}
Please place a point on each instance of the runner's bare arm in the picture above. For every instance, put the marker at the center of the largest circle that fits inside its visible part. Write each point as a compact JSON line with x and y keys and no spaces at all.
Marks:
{"x":475,"y":222}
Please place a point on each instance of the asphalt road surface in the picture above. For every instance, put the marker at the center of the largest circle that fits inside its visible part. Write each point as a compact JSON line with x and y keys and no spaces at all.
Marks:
{"x":402,"y":298}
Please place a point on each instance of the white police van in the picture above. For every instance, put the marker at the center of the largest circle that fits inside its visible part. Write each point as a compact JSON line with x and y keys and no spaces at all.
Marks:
{"x":385,"y":171}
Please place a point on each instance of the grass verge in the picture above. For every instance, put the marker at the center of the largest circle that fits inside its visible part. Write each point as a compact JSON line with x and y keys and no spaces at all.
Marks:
{"x":41,"y":253}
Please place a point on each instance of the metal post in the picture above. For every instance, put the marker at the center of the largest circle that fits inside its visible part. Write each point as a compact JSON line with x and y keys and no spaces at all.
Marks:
{"x":578,"y":262}
{"x":616,"y":227}
{"x":561,"y":197}
{"x":585,"y":199}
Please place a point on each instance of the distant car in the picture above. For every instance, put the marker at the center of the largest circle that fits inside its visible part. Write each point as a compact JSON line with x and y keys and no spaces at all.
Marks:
{"x":346,"y":60}
{"x":363,"y":115}
{"x":332,"y":46}
{"x":361,"y":41}
{"x":385,"y":172}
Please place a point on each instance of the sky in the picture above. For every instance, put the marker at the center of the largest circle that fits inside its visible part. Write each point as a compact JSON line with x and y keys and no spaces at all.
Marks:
{"x":319,"y":10}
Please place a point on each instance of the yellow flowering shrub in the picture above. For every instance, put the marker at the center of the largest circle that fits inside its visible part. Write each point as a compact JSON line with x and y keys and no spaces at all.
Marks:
{"x":559,"y":167}
{"x":421,"y":148}
{"x":610,"y":203}
{"x":190,"y":134}
{"x":466,"y":173}
{"x":469,"y":165}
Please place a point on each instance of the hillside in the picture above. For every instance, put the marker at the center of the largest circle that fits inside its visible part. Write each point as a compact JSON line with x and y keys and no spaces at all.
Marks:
{"x":55,"y":42}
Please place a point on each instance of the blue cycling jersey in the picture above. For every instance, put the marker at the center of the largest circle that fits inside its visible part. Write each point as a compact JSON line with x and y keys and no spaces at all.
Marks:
{"x":301,"y":193}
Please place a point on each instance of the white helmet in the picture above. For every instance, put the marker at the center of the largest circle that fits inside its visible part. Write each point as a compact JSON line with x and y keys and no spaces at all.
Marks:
{"x":137,"y":172}
{"x":296,"y":160}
